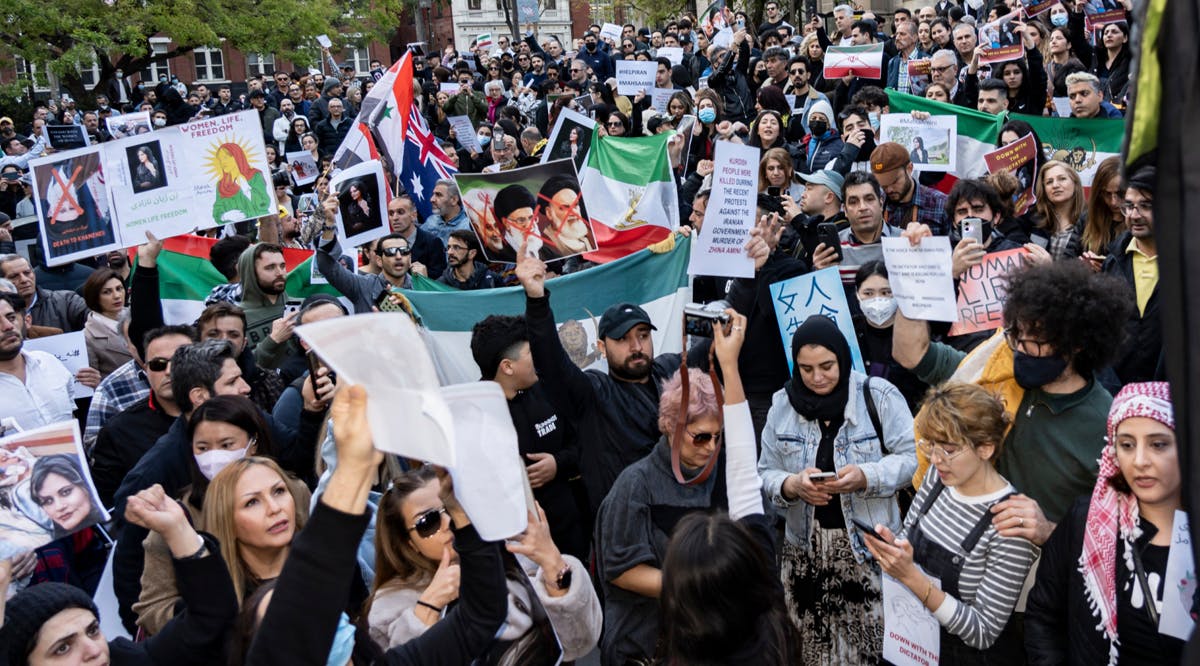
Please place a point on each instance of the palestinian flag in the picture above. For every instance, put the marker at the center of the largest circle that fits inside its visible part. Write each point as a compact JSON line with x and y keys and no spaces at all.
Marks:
{"x":185,"y":276}
{"x":1082,"y":143}
{"x":865,"y":61}
{"x":630,"y":194}
{"x":657,"y":282}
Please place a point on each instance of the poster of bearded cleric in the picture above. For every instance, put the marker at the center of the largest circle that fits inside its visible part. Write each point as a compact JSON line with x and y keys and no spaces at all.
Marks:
{"x":538,"y":206}
{"x":46,"y":492}
{"x":72,"y":203}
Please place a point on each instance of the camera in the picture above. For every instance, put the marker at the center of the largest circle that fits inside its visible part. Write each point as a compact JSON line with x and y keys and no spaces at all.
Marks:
{"x":698,"y":318}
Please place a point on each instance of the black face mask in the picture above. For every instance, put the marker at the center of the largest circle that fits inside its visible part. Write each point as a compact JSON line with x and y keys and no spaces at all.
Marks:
{"x":818,"y":127}
{"x":1036,"y":371}
{"x":591,"y":47}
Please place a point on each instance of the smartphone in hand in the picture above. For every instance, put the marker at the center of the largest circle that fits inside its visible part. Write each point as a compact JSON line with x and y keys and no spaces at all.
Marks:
{"x":867,"y":529}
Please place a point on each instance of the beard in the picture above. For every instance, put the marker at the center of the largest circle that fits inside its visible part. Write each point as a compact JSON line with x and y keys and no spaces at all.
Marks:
{"x":628,"y":372}
{"x":8,"y":353}
{"x":274,"y":288}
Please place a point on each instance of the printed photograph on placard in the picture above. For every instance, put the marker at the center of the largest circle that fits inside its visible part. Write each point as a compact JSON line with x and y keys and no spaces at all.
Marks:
{"x":571,"y":138}
{"x":932,"y":143}
{"x":129,"y":124}
{"x":72,"y":202}
{"x":146,"y":166}
{"x":46,"y":490}
{"x":362,"y":203}
{"x":539,"y":206}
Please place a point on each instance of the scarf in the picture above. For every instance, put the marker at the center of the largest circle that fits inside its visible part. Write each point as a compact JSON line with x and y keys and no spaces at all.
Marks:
{"x":820,"y":330}
{"x":1112,"y":514}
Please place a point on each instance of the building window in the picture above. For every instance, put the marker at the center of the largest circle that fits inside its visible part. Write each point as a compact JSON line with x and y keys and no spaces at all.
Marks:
{"x":161,"y":68}
{"x":549,"y":5}
{"x":210,"y":64}
{"x":357,"y":57}
{"x":474,"y":5}
{"x":260,"y":64}
{"x":89,"y":74}
{"x":41,"y":78}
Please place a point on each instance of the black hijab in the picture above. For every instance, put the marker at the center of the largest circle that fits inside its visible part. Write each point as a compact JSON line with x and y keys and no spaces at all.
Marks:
{"x":820,"y":330}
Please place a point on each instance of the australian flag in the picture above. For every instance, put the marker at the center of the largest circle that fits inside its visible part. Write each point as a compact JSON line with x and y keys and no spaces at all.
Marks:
{"x":423,"y":164}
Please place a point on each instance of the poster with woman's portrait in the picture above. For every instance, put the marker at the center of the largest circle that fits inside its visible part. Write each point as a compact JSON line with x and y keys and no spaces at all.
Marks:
{"x":932,"y":142}
{"x":539,"y":206}
{"x":46,"y":491}
{"x":571,"y":138}
{"x":362,"y":203}
{"x":303,"y":167}
{"x":146,"y":166}
{"x":129,"y":124}
{"x":73,"y":207}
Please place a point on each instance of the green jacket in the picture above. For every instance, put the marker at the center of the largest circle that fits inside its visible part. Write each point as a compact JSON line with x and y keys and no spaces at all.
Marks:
{"x":471,"y":104}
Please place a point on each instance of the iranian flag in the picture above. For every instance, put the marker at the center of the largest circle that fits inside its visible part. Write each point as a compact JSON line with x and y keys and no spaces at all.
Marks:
{"x":657,"y":282}
{"x":484,"y":40}
{"x":1082,"y":143}
{"x":865,"y":61}
{"x":185,"y":276}
{"x":630,"y":194}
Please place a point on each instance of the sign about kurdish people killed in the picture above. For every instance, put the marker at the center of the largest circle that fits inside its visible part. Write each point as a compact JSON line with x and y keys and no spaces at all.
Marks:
{"x":720,"y":247}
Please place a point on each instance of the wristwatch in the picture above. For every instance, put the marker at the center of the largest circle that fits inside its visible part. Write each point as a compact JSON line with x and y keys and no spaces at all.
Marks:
{"x":563,"y":580}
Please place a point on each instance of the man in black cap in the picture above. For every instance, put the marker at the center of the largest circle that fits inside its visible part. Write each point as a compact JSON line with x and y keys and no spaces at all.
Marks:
{"x":615,"y":412}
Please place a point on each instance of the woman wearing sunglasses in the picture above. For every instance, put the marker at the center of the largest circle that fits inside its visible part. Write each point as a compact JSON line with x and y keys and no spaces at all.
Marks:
{"x":970,"y":576}
{"x":835,"y":449}
{"x":253,"y":512}
{"x":417,"y":573}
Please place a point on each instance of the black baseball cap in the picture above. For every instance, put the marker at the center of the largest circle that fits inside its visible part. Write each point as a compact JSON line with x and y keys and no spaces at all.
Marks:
{"x":618,"y":319}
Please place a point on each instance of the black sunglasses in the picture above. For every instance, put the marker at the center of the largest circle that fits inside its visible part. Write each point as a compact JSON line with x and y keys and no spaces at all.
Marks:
{"x":158,"y":364}
{"x":428,"y":523}
{"x":704,"y":437}
{"x":393,"y":251}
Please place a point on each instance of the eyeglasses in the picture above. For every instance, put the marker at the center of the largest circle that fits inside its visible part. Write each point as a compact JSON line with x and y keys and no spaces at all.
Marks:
{"x":797,"y":71}
{"x":614,"y":123}
{"x":428,"y":523}
{"x":393,"y":251}
{"x":939,"y":70}
{"x":930,"y":449}
{"x":158,"y":364}
{"x":1036,"y":347}
{"x":1143,"y":208}
{"x":703,"y":437}
{"x":573,"y":70}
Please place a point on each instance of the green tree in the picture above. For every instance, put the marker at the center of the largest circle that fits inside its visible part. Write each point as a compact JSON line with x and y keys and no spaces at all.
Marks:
{"x":115,"y":34}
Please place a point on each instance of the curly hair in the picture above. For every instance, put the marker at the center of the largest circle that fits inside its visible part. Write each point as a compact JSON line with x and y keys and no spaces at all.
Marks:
{"x":1080,"y":314}
{"x":702,"y":400}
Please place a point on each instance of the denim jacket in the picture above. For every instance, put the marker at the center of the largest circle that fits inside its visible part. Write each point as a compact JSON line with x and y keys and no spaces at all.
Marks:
{"x":789,"y":444}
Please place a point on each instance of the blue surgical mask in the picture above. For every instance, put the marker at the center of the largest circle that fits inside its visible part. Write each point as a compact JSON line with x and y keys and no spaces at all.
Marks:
{"x":707,"y":115}
{"x":484,"y":139}
{"x":1058,"y":20}
{"x":343,"y":643}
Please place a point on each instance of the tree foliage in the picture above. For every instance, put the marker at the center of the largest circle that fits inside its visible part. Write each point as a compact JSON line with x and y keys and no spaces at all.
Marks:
{"x":63,"y":34}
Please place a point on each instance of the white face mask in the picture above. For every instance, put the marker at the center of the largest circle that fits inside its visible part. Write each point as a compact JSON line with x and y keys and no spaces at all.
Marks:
{"x":879,"y":311}
{"x":160,"y":122}
{"x":212,"y":462}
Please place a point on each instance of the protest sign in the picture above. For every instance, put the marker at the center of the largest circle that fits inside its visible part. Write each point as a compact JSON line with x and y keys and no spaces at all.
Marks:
{"x":349,"y":261}
{"x":527,"y":11}
{"x":71,"y":350}
{"x":464,"y":133}
{"x":1179,"y":583}
{"x":931,"y":142}
{"x":407,"y":413}
{"x":303,"y":166}
{"x":1020,"y":159}
{"x":723,"y":39}
{"x":720,"y":247}
{"x":911,"y":634}
{"x":323,"y":40}
{"x":73,"y":204}
{"x":362,"y":203}
{"x":672,"y":53}
{"x":1062,"y":106}
{"x":921,"y":277}
{"x":816,"y":293}
{"x":1102,"y":12}
{"x":489,"y":479}
{"x":660,"y":98}
{"x":1001,"y":39}
{"x":193,"y":176}
{"x":48,"y":488}
{"x":1035,"y":7}
{"x":129,"y":124}
{"x":865,"y":61}
{"x":680,"y":146}
{"x":571,"y":138}
{"x":539,"y":206}
{"x":982,"y":290}
{"x":452,"y":88}
{"x":919,"y":75}
{"x":702,"y":83}
{"x":67,"y":137}
{"x":584,"y":102}
{"x":635,"y":76}
{"x":611,"y":31}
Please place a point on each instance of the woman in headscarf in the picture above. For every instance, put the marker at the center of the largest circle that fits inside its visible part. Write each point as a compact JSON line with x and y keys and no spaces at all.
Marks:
{"x":823,"y":465}
{"x":1110,"y":552}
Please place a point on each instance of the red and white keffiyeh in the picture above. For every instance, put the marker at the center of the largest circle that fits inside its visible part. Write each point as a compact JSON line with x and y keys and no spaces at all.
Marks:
{"x":1112,"y":514}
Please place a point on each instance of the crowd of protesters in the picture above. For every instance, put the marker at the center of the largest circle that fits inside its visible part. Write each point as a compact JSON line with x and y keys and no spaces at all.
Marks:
{"x":715,"y":506}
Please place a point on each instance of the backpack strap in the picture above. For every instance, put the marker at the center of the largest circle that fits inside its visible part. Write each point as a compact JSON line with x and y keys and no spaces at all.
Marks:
{"x":873,"y":412}
{"x":681,"y":424}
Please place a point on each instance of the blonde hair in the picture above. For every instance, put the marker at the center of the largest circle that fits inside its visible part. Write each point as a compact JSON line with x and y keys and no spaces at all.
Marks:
{"x":220,"y":509}
{"x":396,"y":556}
{"x":964,"y":414}
{"x":1046,"y":218}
